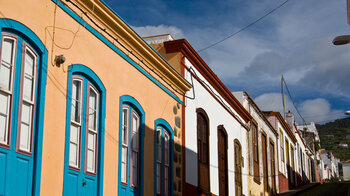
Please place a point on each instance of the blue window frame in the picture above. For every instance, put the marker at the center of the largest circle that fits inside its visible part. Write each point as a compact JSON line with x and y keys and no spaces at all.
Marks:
{"x":131,"y":151}
{"x":163,"y":158}
{"x":23,"y":62}
{"x":84,"y":141}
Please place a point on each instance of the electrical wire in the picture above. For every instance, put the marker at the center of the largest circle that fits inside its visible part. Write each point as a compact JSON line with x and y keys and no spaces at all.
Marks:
{"x":244,"y":28}
{"x":290,"y":96}
{"x":128,"y":50}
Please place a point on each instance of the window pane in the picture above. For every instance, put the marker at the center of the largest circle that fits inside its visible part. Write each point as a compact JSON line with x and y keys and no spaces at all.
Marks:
{"x":166,"y":148}
{"x":166,"y":180}
{"x":29,"y":63}
{"x":5,"y":77}
{"x":92,"y":119}
{"x":7,"y":50}
{"x":91,"y":161}
{"x":158,"y":178}
{"x":76,"y":101}
{"x":76,"y":90}
{"x":28,"y":88}
{"x":134,"y":168}
{"x":74,"y":134}
{"x":24,"y":143}
{"x":74,"y":145}
{"x":3,"y":129}
{"x":91,"y":155}
{"x":26,"y":113}
{"x":91,"y":141}
{"x":92,"y":99}
{"x":73,"y":155}
{"x":92,"y":110}
{"x":159,"y":145}
{"x":4,"y":103}
{"x":135,"y":137}
{"x":125,"y":126}
{"x":124,"y":164}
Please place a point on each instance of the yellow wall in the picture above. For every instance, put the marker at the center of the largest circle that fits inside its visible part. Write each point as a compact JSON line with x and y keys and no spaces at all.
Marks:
{"x":118,"y":76}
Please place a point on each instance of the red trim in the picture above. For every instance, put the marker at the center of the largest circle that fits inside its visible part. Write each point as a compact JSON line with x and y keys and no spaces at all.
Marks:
{"x":184,"y":47}
{"x":9,"y":123}
{"x":20,"y":101}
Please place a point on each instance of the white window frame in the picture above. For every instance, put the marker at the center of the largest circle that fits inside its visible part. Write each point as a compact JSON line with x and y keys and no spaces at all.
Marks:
{"x":125,"y":144}
{"x":8,"y":92}
{"x":25,"y":101}
{"x":91,"y":131}
{"x":134,"y":182}
{"x":77,"y":124}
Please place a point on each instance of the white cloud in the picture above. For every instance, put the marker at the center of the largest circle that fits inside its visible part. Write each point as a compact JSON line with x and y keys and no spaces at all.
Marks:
{"x":158,"y":30}
{"x":319,"y":110}
{"x":313,"y":110}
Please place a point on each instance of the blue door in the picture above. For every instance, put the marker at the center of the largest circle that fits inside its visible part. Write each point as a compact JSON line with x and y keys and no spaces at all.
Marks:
{"x":131,"y":147}
{"x":20,"y":99}
{"x":82,"y":149}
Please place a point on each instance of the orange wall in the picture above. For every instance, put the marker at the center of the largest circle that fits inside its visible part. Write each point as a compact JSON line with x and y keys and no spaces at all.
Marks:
{"x":118,"y":76}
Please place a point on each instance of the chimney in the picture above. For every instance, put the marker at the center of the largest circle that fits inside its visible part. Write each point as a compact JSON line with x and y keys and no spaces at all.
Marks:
{"x":290,"y":119}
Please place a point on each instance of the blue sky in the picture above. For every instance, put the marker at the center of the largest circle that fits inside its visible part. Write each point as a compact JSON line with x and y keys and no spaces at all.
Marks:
{"x":294,"y":41}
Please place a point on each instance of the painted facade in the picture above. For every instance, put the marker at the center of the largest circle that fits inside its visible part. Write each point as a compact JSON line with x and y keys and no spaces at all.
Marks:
{"x":262,"y":152}
{"x":286,"y":151}
{"x":215,"y":135}
{"x":101,"y":119}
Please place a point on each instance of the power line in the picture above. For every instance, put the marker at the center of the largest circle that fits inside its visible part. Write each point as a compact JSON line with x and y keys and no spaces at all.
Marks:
{"x":290,"y":96}
{"x":244,"y":28}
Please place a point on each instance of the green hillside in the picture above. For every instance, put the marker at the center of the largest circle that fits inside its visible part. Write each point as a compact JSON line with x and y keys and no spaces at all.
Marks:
{"x":334,"y":133}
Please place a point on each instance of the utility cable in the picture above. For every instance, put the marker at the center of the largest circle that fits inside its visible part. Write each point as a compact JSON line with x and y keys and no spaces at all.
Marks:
{"x":290,"y":96}
{"x":244,"y":28}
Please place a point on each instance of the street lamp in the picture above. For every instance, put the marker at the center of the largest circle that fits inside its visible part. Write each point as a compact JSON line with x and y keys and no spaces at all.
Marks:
{"x":341,"y":40}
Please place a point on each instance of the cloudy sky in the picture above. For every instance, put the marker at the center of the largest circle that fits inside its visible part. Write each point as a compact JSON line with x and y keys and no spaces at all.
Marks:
{"x":295,"y":41}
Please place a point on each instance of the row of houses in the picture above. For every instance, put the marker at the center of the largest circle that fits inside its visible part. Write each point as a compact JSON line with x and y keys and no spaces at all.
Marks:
{"x":88,"y":107}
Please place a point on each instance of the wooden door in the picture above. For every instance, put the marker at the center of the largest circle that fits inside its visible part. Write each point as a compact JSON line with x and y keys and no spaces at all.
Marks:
{"x":203,"y":151}
{"x":238,"y":168}
{"x":264,"y":159}
{"x":273,"y":175}
{"x":222,"y":156}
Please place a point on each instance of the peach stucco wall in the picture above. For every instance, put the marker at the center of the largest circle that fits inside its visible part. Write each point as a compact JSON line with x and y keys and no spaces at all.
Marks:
{"x":118,"y":76}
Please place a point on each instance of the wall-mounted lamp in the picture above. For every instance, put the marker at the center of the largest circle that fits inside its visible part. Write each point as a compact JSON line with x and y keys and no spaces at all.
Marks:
{"x":59,"y":59}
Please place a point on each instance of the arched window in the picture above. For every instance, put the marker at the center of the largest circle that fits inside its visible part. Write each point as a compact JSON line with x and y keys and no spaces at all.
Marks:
{"x":22,"y":98}
{"x":163,"y":158}
{"x":131,"y":146}
{"x":84,"y":132}
{"x":203,"y":150}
